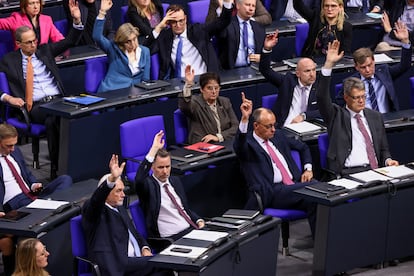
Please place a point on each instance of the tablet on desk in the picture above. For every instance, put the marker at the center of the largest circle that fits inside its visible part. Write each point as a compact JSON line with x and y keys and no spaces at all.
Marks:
{"x":14,"y":216}
{"x":153,"y":84}
{"x":83,"y":100}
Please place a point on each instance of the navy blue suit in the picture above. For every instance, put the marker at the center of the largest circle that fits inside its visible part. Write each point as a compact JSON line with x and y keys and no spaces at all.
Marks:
{"x":286,"y":84}
{"x":229,"y":41}
{"x":106,"y":233}
{"x":387,"y":74}
{"x":60,"y":183}
{"x":148,"y":191}
{"x":257,"y":169}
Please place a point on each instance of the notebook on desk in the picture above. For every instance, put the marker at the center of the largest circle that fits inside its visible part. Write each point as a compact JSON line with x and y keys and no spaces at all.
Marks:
{"x":153,"y":84}
{"x":186,"y":155}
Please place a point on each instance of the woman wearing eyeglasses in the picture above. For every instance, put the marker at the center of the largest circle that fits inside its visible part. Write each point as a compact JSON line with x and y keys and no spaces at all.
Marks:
{"x":31,"y":258}
{"x":147,"y":16}
{"x":325,"y":26}
{"x":211,"y":117}
{"x":30,"y":15}
{"x":128,"y":62}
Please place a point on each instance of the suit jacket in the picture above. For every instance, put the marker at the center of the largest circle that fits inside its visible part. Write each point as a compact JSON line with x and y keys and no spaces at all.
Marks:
{"x":256,"y":163}
{"x":106,"y":233}
{"x":119,"y":74}
{"x":372,"y":3}
{"x":277,"y":7}
{"x":261,"y":15}
{"x":86,"y":37}
{"x":11,"y":63}
{"x":387,"y":74}
{"x":315,"y":26}
{"x":201,"y":117}
{"x":286,"y":85}
{"x":338,"y":120}
{"x":148,"y":191}
{"x":143,"y":24}
{"x":48,"y":31}
{"x":199,"y":35}
{"x":395,"y":13}
{"x":229,"y":41}
{"x":27,"y":175}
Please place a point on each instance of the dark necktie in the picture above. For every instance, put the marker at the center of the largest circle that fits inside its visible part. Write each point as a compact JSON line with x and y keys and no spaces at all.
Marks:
{"x":365,"y":5}
{"x":178,"y":57}
{"x":285,"y":175}
{"x":246,"y":41}
{"x":19,"y":179}
{"x":29,"y":83}
{"x":372,"y":96}
{"x":178,"y":207}
{"x":368,"y":143}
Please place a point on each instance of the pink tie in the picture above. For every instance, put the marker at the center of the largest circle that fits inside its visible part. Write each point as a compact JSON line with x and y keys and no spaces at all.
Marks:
{"x":285,"y":175}
{"x":178,"y":207}
{"x":368,"y":143}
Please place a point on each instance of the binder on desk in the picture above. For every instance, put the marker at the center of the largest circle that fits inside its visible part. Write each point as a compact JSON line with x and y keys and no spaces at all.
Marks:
{"x":83,"y":100}
{"x":304,"y":128}
{"x":14,"y":216}
{"x":186,"y":155}
{"x":153,"y":84}
{"x":241,"y":214}
{"x":326,"y":188}
{"x":204,"y":147}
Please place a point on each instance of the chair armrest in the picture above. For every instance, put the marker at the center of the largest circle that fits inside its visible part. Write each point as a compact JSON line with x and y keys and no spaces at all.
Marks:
{"x":259,"y":202}
{"x":92,"y":264}
{"x":25,"y":115}
{"x":159,"y":244}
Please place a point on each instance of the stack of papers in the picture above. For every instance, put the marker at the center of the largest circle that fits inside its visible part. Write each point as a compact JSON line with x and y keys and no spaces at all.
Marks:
{"x":346,"y":183}
{"x":304,"y":127}
{"x":369,"y":176}
{"x":396,"y":171}
{"x":46,"y":204}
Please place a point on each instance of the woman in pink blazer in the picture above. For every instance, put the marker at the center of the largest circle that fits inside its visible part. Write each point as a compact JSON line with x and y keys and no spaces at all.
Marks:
{"x":30,"y":16}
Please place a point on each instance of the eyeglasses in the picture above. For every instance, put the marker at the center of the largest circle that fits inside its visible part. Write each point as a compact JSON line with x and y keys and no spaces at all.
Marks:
{"x":29,"y":42}
{"x":177,"y":22}
{"x":33,"y":3}
{"x":269,"y":126}
{"x":213,"y":88}
{"x":357,"y":98}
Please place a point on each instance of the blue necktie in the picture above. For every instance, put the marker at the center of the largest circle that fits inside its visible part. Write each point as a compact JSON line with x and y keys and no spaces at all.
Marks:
{"x":131,"y":237}
{"x":365,"y":6}
{"x":372,"y":96}
{"x":178,"y":57}
{"x":246,"y":40}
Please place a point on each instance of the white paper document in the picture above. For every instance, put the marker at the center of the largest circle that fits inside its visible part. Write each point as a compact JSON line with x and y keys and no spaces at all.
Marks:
{"x":303,"y":127}
{"x":396,"y":171}
{"x":382,"y":58}
{"x":206,"y":235}
{"x":347,"y":183}
{"x":184,"y":251}
{"x":369,"y":176}
{"x":46,"y":204}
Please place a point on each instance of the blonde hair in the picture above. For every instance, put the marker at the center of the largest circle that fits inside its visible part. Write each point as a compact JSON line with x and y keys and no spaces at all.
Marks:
{"x":151,"y":8}
{"x":123,"y":33}
{"x":341,"y":15}
{"x":26,"y":259}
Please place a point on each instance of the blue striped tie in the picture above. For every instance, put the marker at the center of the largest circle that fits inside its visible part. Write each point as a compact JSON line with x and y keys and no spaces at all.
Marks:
{"x":178,"y":57}
{"x":371,"y":94}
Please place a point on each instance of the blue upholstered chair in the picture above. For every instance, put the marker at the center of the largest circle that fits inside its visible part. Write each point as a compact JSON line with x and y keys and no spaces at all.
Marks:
{"x":300,"y":37}
{"x":25,"y":128}
{"x":81,"y":265}
{"x":197,"y":11}
{"x":155,"y":67}
{"x":323,"y":144}
{"x":412,"y":91}
{"x":165,"y":7}
{"x":62,"y":26}
{"x":95,"y":72}
{"x":6,"y":42}
{"x":180,"y":127}
{"x":136,"y":137}
{"x":338,"y":88}
{"x":269,"y":101}
{"x":124,"y":15}
{"x":286,"y":215}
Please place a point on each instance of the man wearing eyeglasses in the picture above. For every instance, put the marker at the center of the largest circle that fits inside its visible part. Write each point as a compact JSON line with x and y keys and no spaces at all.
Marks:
{"x":42,"y":84}
{"x":265,"y":156}
{"x":357,"y":138}
{"x":188,"y":44}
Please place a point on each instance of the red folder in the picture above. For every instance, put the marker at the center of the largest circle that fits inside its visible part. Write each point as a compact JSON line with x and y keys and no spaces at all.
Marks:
{"x":204,"y":147}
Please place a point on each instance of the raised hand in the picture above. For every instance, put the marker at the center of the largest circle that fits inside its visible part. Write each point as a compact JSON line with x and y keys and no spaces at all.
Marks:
{"x":189,"y":74}
{"x":332,"y":54}
{"x":75,"y":11}
{"x":401,"y":32}
{"x":157,"y":143}
{"x":106,"y":5}
{"x":271,"y":40}
{"x":116,"y":170}
{"x":385,"y":20}
{"x":246,"y":108}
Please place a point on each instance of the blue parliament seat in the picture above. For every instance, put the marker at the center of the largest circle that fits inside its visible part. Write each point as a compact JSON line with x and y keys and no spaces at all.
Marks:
{"x":180,"y":127}
{"x":62,"y":26}
{"x":6,"y":42}
{"x":197,"y":11}
{"x":95,"y":71}
{"x":124,"y":15}
{"x":300,"y":37}
{"x":269,"y":101}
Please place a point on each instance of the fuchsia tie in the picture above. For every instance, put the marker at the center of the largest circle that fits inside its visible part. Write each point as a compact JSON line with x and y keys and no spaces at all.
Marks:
{"x":285,"y":175}
{"x":179,"y":208}
{"x":368,"y":143}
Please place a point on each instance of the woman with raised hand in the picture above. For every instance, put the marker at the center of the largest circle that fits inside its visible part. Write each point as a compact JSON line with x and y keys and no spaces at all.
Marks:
{"x":128,"y":62}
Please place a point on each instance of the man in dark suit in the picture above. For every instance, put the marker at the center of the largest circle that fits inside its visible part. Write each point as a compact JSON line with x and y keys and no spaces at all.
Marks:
{"x":89,"y":11}
{"x":47,"y":84}
{"x":267,"y":164}
{"x":296,"y":99}
{"x":18,"y":186}
{"x":383,"y":97}
{"x":113,"y":242}
{"x":283,"y":9}
{"x":192,"y":39}
{"x":161,"y":214}
{"x":357,"y":139}
{"x":241,"y":42}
